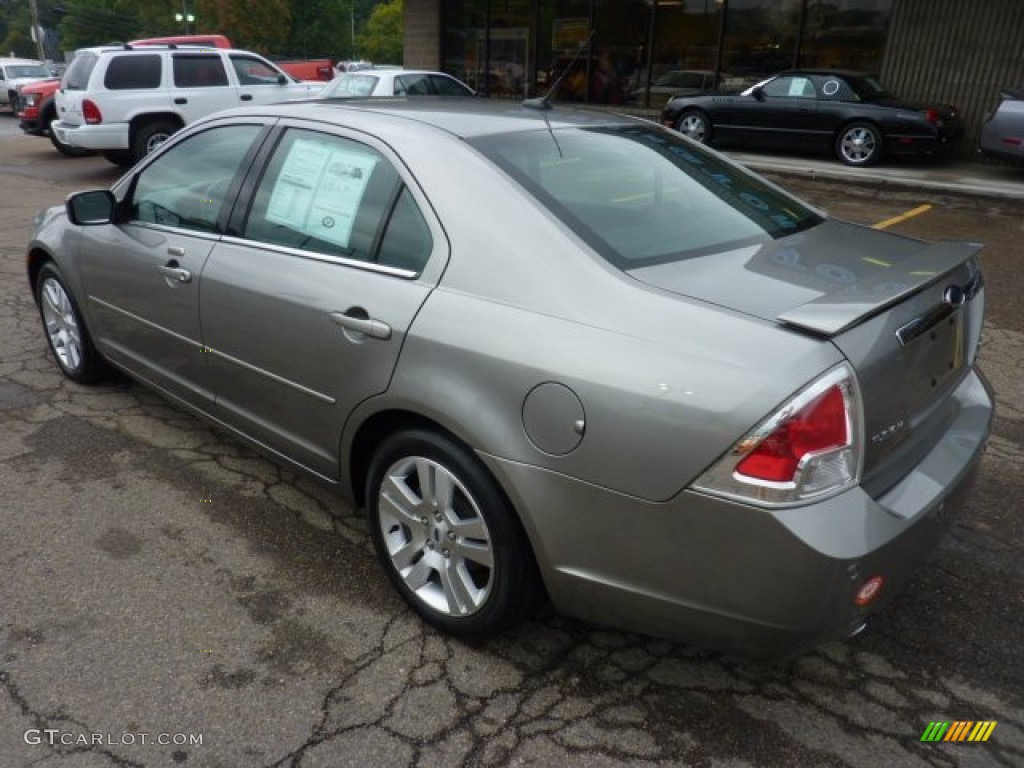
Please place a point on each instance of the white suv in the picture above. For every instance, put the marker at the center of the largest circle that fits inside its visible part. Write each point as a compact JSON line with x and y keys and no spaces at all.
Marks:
{"x":126,"y":101}
{"x":15,"y":73}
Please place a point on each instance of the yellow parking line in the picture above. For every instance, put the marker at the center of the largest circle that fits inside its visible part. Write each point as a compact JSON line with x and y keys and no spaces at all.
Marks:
{"x":903,"y":217}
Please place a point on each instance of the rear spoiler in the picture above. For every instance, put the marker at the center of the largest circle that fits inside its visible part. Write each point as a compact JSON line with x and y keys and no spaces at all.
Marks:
{"x":834,"y":312}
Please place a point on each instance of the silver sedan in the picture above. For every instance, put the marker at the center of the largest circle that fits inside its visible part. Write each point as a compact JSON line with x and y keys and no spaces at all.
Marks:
{"x":550,"y":352}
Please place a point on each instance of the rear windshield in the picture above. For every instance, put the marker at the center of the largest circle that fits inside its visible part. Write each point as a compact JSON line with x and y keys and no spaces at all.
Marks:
{"x":349,"y":85}
{"x":76,"y":78}
{"x":642,"y":195}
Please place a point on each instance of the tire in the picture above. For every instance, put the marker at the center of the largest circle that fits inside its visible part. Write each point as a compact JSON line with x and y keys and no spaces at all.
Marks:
{"x":149,"y":136}
{"x":65,"y":328}
{"x":859,"y":145}
{"x":460,"y":559}
{"x":120,"y":157}
{"x":696,"y":125}
{"x":15,"y":103}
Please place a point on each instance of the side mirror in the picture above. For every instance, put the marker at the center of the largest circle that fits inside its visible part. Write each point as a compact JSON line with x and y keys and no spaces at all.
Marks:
{"x":91,"y":208}
{"x":282,"y":79}
{"x":758,"y":93}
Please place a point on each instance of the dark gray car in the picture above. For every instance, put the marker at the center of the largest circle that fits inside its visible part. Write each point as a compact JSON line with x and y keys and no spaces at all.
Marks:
{"x":545,"y":349}
{"x":1002,"y":135}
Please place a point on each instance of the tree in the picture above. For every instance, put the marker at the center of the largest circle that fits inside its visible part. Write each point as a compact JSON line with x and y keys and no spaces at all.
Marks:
{"x":381,"y":38}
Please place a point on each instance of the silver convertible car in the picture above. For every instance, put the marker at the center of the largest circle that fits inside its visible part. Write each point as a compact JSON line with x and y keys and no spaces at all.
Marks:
{"x":549,"y":351}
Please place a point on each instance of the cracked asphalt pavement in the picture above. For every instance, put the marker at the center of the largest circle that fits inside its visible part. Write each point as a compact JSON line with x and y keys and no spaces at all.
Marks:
{"x":159,"y":582}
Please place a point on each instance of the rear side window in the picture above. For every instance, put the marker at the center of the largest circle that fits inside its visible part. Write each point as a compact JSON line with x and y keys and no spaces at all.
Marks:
{"x":76,"y":78}
{"x":323,"y":194}
{"x":199,"y":71}
{"x":132,"y":72}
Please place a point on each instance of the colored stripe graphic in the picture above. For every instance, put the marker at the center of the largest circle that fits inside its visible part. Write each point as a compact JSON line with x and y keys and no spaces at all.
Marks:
{"x":934,"y":731}
{"x":982,"y":731}
{"x":959,"y":730}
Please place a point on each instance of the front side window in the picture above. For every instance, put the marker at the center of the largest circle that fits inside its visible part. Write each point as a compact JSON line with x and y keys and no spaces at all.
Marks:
{"x":132,"y":72}
{"x":199,"y":71}
{"x":187,"y":186}
{"x":412,"y":85}
{"x":791,"y":87}
{"x":446,"y":86}
{"x":642,"y":196}
{"x":253,"y":71}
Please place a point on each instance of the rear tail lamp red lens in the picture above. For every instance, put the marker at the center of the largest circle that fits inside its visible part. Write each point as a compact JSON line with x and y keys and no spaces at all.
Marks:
{"x":818,"y":426}
{"x":91,"y":112}
{"x":808,"y":449}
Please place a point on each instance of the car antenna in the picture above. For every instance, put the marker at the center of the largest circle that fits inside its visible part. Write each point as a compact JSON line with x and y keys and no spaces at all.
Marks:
{"x":544,"y":102}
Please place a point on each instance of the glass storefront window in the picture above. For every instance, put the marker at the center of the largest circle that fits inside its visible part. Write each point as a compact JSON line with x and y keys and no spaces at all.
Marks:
{"x":644,"y":51}
{"x":685,"y":51}
{"x":847,"y":36}
{"x":760,"y":38}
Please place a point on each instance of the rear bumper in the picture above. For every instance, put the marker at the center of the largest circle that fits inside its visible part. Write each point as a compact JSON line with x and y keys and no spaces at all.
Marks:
{"x":99,"y":137}
{"x":718,"y":573}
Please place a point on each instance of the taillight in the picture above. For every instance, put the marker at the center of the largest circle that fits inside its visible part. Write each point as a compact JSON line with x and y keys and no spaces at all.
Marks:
{"x":91,"y":112}
{"x":808,"y":449}
{"x":932,"y":116}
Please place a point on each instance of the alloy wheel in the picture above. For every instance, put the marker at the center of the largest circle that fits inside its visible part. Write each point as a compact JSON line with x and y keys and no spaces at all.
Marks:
{"x":61,"y":324}
{"x":436,"y":537}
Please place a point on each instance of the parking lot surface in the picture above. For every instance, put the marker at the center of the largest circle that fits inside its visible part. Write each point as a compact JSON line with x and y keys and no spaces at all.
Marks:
{"x":171,"y":598}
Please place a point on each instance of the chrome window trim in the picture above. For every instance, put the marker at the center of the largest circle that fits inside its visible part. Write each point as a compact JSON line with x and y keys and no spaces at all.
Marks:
{"x":367,"y":266}
{"x":211,"y":236}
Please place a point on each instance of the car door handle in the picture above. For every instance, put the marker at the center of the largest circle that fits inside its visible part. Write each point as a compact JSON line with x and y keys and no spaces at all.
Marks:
{"x":181,"y":100}
{"x":174,"y":271}
{"x":246,"y":97}
{"x":375,"y":329}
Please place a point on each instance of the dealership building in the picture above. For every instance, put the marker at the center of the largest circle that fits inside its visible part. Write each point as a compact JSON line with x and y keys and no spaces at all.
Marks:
{"x":961,"y":52}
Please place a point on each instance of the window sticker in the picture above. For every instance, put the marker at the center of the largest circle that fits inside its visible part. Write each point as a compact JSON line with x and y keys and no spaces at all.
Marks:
{"x":831,"y":88}
{"x":319,"y":190}
{"x":796,"y":87}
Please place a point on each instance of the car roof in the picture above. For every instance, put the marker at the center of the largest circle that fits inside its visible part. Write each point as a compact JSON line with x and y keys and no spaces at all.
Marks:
{"x":392,"y":72}
{"x":458,"y":116}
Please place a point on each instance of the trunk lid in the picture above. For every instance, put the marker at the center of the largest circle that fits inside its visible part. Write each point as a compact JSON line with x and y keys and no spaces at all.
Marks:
{"x":906,"y":314}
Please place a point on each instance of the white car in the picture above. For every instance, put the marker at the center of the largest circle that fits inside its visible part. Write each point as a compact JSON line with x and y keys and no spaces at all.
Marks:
{"x":394,"y":82}
{"x":126,"y":101}
{"x":14,"y":73}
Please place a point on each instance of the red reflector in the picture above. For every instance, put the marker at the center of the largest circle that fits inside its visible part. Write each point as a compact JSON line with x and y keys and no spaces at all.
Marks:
{"x":932,"y":116}
{"x":1013,"y":141}
{"x":871,"y":589}
{"x":91,"y":112}
{"x":818,"y":426}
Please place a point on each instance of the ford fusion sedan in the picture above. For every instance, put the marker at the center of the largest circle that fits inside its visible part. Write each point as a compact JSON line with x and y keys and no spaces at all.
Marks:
{"x":550,"y":352}
{"x":848,"y":114}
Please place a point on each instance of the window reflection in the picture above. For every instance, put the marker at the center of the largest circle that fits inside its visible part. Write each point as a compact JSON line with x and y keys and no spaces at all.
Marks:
{"x":644,"y":51}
